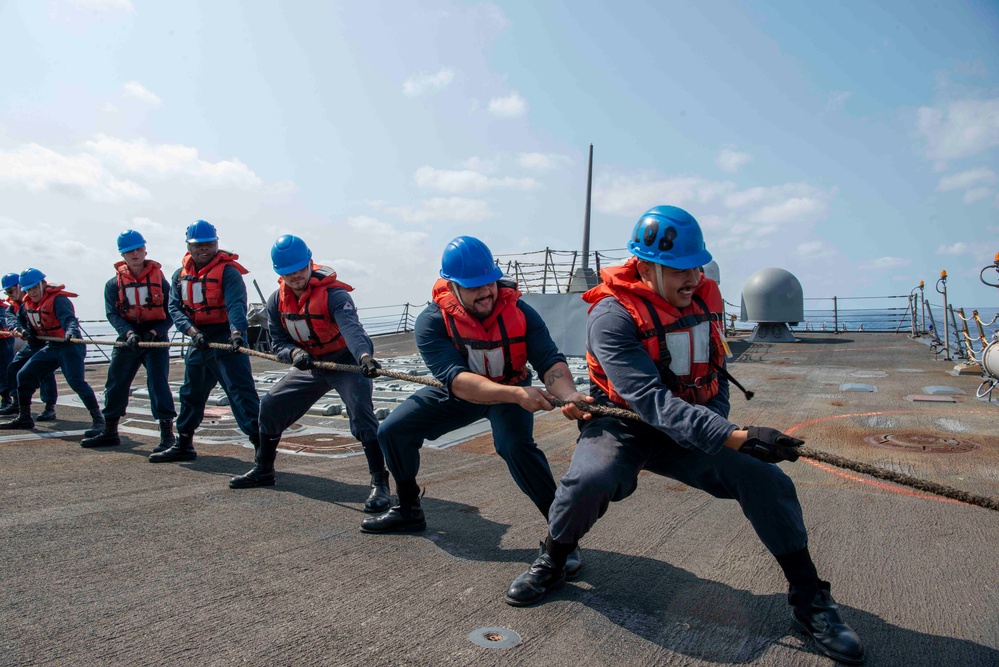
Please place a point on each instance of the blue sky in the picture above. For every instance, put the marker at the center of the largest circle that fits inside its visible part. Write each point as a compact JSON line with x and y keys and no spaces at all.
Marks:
{"x":851,"y":144}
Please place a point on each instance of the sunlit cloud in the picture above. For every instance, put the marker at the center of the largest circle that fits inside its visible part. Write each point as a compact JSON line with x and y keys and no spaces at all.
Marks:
{"x":444,"y":209}
{"x":424,"y":83}
{"x":959,"y":129}
{"x":38,"y":169}
{"x":959,"y":248}
{"x":731,"y":161}
{"x":543,"y":161}
{"x":137,"y":91}
{"x":511,"y":106}
{"x":884,"y":263}
{"x":467,"y":180}
{"x":967,"y":179}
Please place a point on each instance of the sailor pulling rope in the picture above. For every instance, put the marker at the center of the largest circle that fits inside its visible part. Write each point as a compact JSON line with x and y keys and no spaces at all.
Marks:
{"x":603,"y":411}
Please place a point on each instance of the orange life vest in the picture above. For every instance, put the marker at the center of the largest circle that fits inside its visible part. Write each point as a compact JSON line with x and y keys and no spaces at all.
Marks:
{"x":495,"y":347}
{"x":201,"y":294}
{"x":684,"y":343}
{"x":12,"y":304}
{"x":141,"y":299}
{"x":307,"y":318}
{"x":41,"y":316}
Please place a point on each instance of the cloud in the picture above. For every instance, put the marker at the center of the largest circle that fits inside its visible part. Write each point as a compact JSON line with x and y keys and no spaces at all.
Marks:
{"x":441,"y":209}
{"x":884,"y":263}
{"x":838,"y":99}
{"x":172,"y":160}
{"x":104,"y":5}
{"x":814,"y":250}
{"x":967,"y":179}
{"x":137,"y":91}
{"x":543,"y":161}
{"x":34,"y":239}
{"x":977,"y":194}
{"x":423,"y":83}
{"x":959,"y":248}
{"x":731,"y":161}
{"x":83,"y":175}
{"x":511,"y":106}
{"x":631,"y":195}
{"x":960,"y":129}
{"x":790,"y":210}
{"x":467,"y":181}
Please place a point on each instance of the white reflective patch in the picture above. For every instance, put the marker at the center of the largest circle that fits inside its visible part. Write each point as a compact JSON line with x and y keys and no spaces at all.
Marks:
{"x":137,"y":296}
{"x":35,"y":319}
{"x":195,"y":292}
{"x":702,"y":342}
{"x":678,"y":344}
{"x":488,"y":363}
{"x":298,"y":330}
{"x":347,"y":306}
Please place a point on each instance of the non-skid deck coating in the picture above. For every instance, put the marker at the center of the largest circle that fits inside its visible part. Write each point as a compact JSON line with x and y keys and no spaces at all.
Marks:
{"x":108,"y":559}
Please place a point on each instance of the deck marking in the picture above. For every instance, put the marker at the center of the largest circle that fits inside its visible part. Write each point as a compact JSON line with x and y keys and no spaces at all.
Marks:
{"x":881,"y":485}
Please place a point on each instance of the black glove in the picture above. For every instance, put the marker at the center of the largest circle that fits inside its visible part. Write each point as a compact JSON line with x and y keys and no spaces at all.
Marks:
{"x":132,"y":340}
{"x":301,"y":360}
{"x":770,"y":445}
{"x":68,"y":339}
{"x":369,"y":367}
{"x":199,"y":341}
{"x":236,"y":340}
{"x":30,"y":336}
{"x":149,"y":337}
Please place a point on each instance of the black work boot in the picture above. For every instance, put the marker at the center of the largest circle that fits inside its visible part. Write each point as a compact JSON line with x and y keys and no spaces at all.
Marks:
{"x":816,"y":614}
{"x":97,"y":427}
{"x":379,"y":499}
{"x":573,"y":562}
{"x":107,"y":437}
{"x":546,"y":574}
{"x":10,"y":408}
{"x":180,"y":452}
{"x":23,"y":419}
{"x":167,"y":438}
{"x":48,"y":414}
{"x":5,"y":401}
{"x":262,"y":473}
{"x":406,"y":517}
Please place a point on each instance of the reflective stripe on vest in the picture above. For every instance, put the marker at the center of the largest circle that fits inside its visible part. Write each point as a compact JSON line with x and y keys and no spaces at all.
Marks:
{"x":41,"y":316}
{"x":201,"y":294}
{"x":496,"y":347}
{"x":141,"y":299}
{"x":307,"y":318}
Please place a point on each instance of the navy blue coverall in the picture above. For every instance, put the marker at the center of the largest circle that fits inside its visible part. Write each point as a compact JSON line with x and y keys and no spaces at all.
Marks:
{"x":6,"y":355}
{"x":125,"y":361}
{"x":297,"y":391}
{"x":67,"y":356}
{"x":677,"y":440}
{"x":49,"y":391}
{"x":430,"y":412}
{"x":206,"y":368}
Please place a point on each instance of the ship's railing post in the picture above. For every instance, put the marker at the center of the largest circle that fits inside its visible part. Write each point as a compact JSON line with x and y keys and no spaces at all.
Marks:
{"x":544,"y":277}
{"x":943,"y":281}
{"x":835,"y":315}
{"x":959,"y":344}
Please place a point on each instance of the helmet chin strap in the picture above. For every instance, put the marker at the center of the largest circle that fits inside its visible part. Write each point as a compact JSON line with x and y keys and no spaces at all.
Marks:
{"x":659,"y":282}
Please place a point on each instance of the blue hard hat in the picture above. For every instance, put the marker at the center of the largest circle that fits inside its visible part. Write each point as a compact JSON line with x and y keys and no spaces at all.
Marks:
{"x":9,"y":280}
{"x":290,"y":254}
{"x":202,"y":231}
{"x":669,"y":236}
{"x":468,"y":262}
{"x":30,"y":277}
{"x":129,"y":240}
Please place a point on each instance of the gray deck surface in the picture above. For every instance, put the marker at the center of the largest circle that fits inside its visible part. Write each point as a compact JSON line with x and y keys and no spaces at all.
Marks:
{"x":108,"y":559}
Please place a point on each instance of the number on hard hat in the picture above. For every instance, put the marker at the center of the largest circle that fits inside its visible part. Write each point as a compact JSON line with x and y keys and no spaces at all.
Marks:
{"x":290,"y":254}
{"x":669,"y":236}
{"x":9,"y":280}
{"x":201,"y":231}
{"x":30,"y":277}
{"x":130,"y":240}
{"x":468,"y":262}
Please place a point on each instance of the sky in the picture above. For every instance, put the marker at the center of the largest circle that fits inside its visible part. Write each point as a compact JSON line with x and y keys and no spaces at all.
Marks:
{"x":855,"y":145}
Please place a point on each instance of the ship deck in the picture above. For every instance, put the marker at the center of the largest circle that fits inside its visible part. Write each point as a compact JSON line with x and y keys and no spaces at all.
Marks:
{"x":107,"y":559}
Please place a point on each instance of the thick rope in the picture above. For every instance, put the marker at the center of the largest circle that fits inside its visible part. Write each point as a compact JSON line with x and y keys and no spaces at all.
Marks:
{"x":603,"y":411}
